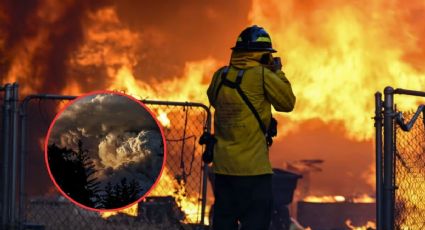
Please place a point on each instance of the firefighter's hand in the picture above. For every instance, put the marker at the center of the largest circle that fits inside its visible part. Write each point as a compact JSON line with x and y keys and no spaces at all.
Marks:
{"x":277,"y":64}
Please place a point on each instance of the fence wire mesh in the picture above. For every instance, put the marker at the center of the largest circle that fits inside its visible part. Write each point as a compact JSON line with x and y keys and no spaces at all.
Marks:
{"x":175,"y":200}
{"x":410,"y":176}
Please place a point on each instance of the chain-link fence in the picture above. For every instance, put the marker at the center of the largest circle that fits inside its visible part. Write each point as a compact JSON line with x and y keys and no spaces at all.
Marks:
{"x":400,"y":163}
{"x":178,"y":199}
{"x":410,"y":176}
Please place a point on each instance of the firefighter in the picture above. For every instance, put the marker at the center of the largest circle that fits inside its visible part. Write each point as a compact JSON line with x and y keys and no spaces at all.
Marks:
{"x":242,"y":95}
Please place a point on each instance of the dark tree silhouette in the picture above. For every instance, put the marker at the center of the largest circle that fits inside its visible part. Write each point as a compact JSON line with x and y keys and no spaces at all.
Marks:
{"x":121,"y":194}
{"x":74,"y":172}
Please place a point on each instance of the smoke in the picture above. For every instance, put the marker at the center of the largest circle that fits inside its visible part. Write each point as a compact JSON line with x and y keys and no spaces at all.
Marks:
{"x":38,"y":40}
{"x":131,"y":155}
{"x":121,"y":137}
{"x":177,"y":32}
{"x":94,"y":116}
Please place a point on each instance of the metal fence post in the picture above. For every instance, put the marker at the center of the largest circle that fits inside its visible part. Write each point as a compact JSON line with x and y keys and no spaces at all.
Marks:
{"x":378,"y":148}
{"x":207,"y":128}
{"x":14,"y":135}
{"x":6,"y":141}
{"x":23,"y":156}
{"x":388,"y":159}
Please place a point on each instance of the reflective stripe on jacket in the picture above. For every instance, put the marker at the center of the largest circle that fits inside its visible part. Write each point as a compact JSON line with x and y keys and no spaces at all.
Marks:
{"x":241,"y":147}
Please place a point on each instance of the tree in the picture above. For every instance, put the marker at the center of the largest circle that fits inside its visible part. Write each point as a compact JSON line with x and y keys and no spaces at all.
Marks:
{"x":121,"y":194}
{"x":74,"y":172}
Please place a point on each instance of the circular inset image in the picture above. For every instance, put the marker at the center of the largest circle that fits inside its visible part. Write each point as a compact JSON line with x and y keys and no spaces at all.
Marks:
{"x":105,"y":151}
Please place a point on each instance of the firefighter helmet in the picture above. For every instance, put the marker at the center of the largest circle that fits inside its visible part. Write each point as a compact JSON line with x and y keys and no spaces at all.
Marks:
{"x":254,"y":38}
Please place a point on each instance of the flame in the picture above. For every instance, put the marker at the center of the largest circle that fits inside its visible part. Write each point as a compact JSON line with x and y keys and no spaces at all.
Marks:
{"x":336,"y":54}
{"x":168,"y":186}
{"x":163,"y":118}
{"x":340,"y":52}
{"x":171,"y":90}
{"x":130,"y":211}
{"x":369,"y":225}
{"x":342,"y":60}
{"x":364,"y":198}
{"x":324,"y":199}
{"x":106,"y":39}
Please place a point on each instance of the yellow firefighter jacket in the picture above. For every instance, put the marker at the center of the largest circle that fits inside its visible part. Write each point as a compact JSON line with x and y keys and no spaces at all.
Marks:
{"x":241,"y":147}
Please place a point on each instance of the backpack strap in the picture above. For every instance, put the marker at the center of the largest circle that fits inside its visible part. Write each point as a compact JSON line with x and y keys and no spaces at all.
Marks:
{"x":236,"y":85}
{"x":248,"y":103}
{"x":224,"y":72}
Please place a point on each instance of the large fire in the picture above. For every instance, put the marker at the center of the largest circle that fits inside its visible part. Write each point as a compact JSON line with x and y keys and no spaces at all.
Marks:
{"x":336,"y":54}
{"x":340,"y":52}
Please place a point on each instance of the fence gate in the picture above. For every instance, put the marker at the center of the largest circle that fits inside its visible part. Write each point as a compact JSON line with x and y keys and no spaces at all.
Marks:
{"x":30,"y":200}
{"x":400,"y":163}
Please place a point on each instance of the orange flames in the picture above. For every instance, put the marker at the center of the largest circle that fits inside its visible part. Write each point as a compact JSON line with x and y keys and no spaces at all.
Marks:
{"x":370,"y":225}
{"x":340,"y":52}
{"x":163,"y":118}
{"x":335,"y":53}
{"x":168,"y":186}
{"x":324,"y":199}
{"x":336,"y":60}
{"x":336,"y":199}
{"x":130,"y":211}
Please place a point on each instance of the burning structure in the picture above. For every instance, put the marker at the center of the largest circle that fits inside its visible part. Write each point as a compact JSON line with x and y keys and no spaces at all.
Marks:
{"x":122,"y":45}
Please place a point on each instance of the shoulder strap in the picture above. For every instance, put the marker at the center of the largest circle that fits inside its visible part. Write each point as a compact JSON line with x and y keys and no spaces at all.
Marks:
{"x":236,"y":85}
{"x":224,"y":72}
{"x":248,"y":103}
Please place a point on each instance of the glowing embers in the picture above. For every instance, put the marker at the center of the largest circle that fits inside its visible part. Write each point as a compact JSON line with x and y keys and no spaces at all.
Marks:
{"x":105,"y":151}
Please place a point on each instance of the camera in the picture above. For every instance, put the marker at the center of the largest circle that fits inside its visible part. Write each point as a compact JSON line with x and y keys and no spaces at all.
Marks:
{"x":209,"y":141}
{"x":273,"y":63}
{"x":271,"y":131}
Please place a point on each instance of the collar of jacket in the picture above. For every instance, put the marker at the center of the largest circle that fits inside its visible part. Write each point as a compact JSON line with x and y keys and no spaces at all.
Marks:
{"x":246,"y":60}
